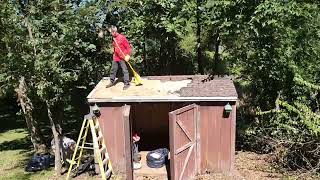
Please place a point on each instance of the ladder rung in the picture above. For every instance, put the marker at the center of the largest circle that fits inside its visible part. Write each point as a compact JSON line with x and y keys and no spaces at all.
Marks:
{"x":74,"y":168}
{"x":106,"y":155}
{"x":100,"y":137}
{"x":108,"y":173}
{"x":88,"y":148}
{"x":83,"y":137}
{"x":105,"y":161}
{"x":71,"y":162}
{"x":96,"y":126}
{"x":103,"y":149}
{"x":76,"y":159}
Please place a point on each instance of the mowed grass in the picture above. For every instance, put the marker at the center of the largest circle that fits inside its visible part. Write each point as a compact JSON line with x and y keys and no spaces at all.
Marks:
{"x":15,"y":152}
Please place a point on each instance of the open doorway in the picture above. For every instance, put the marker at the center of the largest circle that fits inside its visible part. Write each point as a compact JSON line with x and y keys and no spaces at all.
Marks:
{"x":150,"y":121}
{"x":171,"y":126}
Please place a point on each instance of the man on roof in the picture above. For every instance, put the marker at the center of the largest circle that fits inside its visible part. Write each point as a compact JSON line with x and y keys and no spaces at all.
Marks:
{"x":121,"y":54}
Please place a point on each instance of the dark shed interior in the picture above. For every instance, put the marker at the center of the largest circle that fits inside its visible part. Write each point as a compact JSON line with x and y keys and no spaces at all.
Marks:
{"x":151,"y":122}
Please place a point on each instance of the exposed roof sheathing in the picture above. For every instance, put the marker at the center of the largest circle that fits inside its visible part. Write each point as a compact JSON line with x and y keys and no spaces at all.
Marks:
{"x":167,"y":88}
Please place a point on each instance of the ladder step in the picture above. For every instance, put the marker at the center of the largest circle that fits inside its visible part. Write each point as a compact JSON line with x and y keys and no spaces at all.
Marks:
{"x":97,"y":125}
{"x":100,"y":137}
{"x":108,"y":173}
{"x":77,"y":159}
{"x":71,"y":162}
{"x":105,"y":161}
{"x":106,"y":155}
{"x":74,"y":168}
{"x":82,"y":137}
{"x":103,"y":150}
{"x":88,"y":148}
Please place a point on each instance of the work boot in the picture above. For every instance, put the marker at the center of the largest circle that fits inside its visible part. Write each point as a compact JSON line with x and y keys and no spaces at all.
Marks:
{"x":126,"y":86}
{"x":110,"y":84}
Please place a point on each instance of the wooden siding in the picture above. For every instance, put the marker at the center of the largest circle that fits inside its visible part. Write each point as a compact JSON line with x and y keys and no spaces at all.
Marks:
{"x":217,"y":138}
{"x":217,"y":134}
{"x":183,"y":142}
{"x":113,"y":128}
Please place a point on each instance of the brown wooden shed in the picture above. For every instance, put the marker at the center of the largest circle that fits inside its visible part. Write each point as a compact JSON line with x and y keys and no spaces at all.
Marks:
{"x":186,"y":114}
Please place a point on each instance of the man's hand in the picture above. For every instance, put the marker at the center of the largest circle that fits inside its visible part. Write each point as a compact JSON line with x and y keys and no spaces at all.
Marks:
{"x":126,"y":58}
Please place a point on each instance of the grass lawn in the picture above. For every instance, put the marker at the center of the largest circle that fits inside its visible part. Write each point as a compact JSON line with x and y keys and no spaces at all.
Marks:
{"x":15,"y":151}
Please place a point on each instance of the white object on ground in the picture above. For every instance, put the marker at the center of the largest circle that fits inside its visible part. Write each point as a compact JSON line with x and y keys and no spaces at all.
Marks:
{"x":137,"y":165}
{"x":155,"y":155}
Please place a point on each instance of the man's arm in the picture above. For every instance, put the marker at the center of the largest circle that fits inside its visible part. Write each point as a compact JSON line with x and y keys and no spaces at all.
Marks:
{"x":127,"y":48}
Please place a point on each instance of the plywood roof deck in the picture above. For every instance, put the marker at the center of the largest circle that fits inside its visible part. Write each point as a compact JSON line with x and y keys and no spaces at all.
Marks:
{"x":167,"y":88}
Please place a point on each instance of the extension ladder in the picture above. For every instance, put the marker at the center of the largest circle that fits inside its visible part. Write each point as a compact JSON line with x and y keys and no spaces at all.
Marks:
{"x":98,"y":145}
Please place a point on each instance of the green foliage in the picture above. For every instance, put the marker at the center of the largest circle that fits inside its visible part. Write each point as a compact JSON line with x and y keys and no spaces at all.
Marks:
{"x":61,"y":54}
{"x":270,"y":47}
{"x":281,"y":67}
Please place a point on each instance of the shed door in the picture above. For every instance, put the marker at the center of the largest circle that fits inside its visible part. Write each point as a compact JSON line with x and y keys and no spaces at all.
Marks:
{"x":184,"y":142}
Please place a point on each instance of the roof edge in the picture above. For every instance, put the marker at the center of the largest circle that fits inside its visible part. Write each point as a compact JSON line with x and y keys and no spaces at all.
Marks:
{"x":162,"y":99}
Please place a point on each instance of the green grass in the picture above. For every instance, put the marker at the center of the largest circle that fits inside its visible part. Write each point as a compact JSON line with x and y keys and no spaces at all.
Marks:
{"x":15,"y":151}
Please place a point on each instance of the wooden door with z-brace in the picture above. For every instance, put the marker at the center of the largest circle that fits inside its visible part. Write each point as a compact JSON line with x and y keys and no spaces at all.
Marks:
{"x":184,"y":142}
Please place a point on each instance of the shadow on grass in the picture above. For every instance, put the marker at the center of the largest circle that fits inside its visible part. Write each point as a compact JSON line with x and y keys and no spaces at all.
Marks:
{"x":9,"y":118}
{"x":10,"y":121}
{"x":23,"y":143}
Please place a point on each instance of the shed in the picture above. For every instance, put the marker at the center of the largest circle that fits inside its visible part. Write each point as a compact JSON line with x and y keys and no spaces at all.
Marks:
{"x":187,"y":114}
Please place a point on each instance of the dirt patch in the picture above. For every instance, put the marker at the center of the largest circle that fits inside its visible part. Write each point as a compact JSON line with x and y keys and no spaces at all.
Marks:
{"x":253,"y":166}
{"x":248,"y":166}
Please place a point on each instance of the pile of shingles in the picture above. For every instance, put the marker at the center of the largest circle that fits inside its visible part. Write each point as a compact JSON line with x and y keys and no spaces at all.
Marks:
{"x":203,"y":86}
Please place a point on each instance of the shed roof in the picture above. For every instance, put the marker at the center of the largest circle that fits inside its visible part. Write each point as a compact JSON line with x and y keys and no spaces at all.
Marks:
{"x":167,"y":89}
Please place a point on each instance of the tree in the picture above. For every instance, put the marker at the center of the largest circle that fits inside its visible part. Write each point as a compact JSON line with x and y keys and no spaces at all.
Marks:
{"x":52,"y":52}
{"x":14,"y":69}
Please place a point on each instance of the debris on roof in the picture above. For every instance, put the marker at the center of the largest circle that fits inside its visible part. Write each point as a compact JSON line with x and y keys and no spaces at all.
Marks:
{"x":168,"y":86}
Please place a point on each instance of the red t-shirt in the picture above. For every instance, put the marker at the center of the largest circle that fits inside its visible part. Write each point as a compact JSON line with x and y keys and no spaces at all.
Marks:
{"x":123,"y":44}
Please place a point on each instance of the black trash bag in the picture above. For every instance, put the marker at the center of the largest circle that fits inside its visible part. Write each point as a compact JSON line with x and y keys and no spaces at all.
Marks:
{"x":157,"y":158}
{"x":87,"y":165}
{"x":40,"y":162}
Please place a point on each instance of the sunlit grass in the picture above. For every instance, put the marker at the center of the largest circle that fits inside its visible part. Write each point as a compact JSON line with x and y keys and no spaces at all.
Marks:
{"x":14,"y":156}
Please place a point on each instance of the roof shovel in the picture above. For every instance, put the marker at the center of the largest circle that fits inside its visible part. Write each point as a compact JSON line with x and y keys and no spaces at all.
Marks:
{"x":137,"y":78}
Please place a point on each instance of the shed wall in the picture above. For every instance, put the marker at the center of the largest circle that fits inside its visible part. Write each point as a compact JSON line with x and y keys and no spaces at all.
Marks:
{"x":115,"y":131}
{"x":217,"y":134}
{"x":217,"y":137}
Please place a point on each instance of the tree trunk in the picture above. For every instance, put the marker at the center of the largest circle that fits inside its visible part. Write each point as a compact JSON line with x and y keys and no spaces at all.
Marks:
{"x":57,"y":141}
{"x":218,"y":67}
{"x":277,"y":101}
{"x":31,"y":36}
{"x":199,"y":58}
{"x":27,"y":108}
{"x":145,"y":53}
